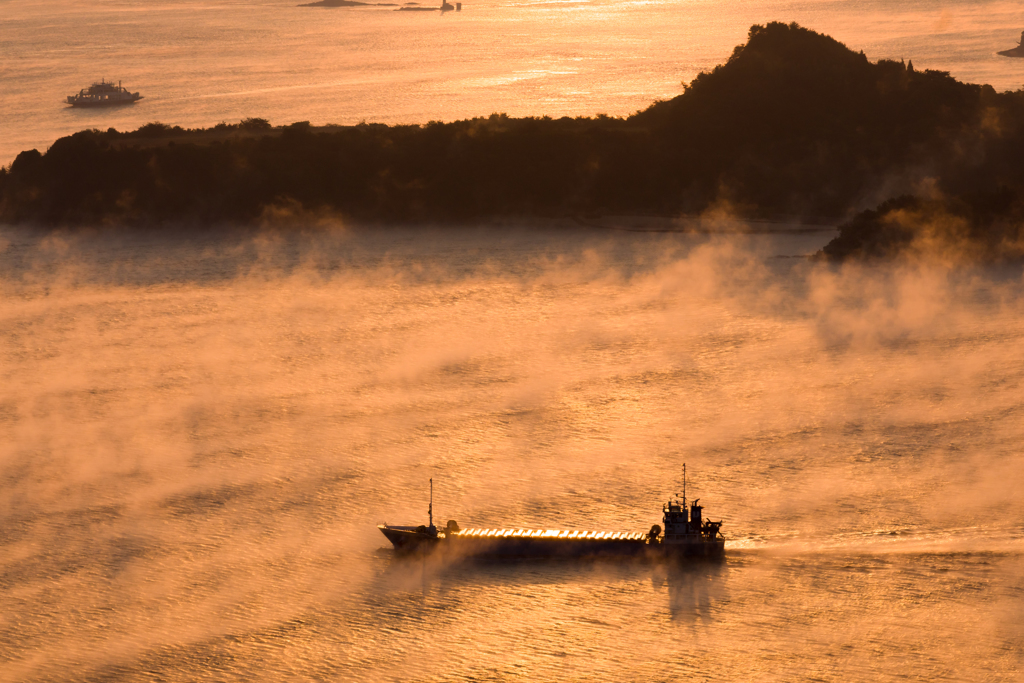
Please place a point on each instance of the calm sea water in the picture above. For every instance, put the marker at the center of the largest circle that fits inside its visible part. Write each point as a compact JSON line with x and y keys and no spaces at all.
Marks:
{"x":198,"y":62}
{"x":199,"y":433}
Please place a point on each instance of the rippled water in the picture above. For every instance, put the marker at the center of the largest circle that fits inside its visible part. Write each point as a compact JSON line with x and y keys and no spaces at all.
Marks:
{"x":199,"y":62}
{"x":199,"y":433}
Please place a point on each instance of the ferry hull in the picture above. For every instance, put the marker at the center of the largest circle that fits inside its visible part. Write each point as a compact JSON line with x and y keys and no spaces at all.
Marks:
{"x":102,"y":103}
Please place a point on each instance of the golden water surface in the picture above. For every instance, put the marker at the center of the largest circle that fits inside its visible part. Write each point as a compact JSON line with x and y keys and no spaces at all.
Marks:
{"x":199,"y":433}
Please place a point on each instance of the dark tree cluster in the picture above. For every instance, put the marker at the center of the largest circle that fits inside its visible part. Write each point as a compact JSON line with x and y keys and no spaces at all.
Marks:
{"x":793,"y":124}
{"x":972,"y":227}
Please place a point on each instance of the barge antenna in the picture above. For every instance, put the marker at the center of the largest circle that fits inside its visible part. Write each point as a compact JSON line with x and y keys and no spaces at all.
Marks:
{"x":684,"y":484}
{"x":430,"y":510}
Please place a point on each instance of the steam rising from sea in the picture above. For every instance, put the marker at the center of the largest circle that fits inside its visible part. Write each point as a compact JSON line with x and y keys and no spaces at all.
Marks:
{"x":198,"y":434}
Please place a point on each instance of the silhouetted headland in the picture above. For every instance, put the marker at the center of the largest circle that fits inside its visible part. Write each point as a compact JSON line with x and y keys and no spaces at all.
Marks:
{"x":983,"y":226}
{"x":794,"y":124}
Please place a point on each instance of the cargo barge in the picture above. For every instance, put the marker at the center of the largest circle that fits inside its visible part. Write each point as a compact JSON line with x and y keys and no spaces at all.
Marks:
{"x":686,"y":534}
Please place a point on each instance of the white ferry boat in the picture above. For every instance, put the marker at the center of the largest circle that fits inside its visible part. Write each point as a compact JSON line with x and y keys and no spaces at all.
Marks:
{"x":103,"y":94}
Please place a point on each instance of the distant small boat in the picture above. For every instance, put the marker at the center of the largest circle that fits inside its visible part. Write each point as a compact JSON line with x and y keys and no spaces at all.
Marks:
{"x":103,"y":94}
{"x":445,"y":7}
{"x":1017,"y":51}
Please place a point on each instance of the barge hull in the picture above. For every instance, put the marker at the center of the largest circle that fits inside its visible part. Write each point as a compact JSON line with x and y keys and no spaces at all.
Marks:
{"x":544,"y":544}
{"x":569,"y":548}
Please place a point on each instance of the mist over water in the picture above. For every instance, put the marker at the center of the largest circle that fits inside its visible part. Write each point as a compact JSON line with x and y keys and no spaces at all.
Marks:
{"x":198,"y":63}
{"x":199,"y":433}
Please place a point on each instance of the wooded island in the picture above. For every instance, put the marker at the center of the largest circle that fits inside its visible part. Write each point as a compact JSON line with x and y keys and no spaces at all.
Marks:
{"x":794,"y":124}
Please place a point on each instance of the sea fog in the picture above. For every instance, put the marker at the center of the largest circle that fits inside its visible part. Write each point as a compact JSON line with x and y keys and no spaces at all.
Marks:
{"x":199,"y":432}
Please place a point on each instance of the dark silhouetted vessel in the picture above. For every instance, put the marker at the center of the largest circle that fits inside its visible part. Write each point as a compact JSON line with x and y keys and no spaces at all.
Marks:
{"x":103,"y":94}
{"x":445,"y":7}
{"x":686,"y":534}
{"x":1017,"y":51}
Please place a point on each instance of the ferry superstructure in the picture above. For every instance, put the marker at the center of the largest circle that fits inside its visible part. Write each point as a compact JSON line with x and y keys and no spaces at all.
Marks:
{"x":103,"y":94}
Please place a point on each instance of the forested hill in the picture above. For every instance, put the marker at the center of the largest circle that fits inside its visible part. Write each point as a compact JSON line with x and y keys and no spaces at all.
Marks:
{"x":794,"y":123}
